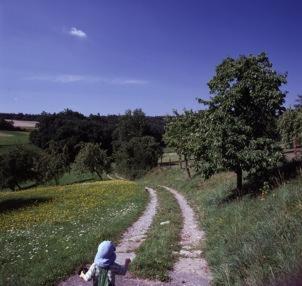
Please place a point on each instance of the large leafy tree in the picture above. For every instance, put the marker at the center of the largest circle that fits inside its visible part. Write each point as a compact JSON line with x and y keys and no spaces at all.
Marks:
{"x":238,"y":131}
{"x":93,"y":159}
{"x":16,"y":167}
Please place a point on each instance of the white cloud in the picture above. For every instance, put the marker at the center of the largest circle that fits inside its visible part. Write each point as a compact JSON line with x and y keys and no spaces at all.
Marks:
{"x":71,"y":78}
{"x":129,"y":81}
{"x":77,"y":33}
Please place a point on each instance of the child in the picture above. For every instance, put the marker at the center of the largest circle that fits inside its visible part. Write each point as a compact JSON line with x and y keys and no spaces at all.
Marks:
{"x":105,"y":260}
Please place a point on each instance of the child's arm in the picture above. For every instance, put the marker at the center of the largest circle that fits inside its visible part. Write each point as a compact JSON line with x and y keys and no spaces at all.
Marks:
{"x":120,"y":269}
{"x":89,"y":274}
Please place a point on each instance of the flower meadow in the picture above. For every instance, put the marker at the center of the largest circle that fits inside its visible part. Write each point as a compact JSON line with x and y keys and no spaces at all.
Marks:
{"x":45,"y":233}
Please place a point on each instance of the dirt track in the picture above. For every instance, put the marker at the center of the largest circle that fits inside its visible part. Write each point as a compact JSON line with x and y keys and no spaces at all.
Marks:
{"x":191,"y":269}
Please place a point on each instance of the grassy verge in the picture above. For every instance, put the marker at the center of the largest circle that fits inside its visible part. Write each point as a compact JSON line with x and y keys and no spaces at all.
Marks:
{"x":155,"y":257}
{"x":45,"y":233}
{"x":250,"y":241}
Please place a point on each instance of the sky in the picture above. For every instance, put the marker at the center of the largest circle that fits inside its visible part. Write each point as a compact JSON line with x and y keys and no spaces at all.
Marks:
{"x":107,"y":56}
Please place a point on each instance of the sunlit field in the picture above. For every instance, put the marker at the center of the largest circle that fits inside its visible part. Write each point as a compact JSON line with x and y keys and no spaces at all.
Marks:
{"x":45,"y":233}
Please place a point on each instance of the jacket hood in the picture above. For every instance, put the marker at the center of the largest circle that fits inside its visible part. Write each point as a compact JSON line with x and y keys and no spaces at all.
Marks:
{"x":106,"y":254}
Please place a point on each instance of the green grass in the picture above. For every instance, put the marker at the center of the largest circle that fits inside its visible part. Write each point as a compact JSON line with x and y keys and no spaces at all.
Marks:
{"x":13,"y":137}
{"x":73,"y":177}
{"x":45,"y":233}
{"x":9,"y":139}
{"x":155,"y":257}
{"x":250,"y":241}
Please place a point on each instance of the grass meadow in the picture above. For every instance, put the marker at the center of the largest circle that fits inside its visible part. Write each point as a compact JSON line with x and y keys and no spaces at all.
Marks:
{"x":45,"y":233}
{"x":255,"y":240}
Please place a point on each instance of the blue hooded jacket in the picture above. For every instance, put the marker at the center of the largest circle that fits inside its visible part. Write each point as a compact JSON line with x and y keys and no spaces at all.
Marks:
{"x":106,"y":254}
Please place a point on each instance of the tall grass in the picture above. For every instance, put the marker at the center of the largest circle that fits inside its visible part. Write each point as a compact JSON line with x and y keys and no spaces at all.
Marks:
{"x":254,"y":240}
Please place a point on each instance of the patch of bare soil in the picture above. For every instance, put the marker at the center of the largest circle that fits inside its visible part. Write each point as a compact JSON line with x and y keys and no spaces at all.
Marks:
{"x":131,"y":240}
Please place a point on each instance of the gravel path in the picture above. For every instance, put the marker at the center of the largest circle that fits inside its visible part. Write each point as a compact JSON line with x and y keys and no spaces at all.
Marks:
{"x":191,"y":269}
{"x":131,"y":240}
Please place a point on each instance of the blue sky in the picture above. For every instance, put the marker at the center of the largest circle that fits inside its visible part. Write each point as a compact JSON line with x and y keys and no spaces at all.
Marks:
{"x":107,"y":56}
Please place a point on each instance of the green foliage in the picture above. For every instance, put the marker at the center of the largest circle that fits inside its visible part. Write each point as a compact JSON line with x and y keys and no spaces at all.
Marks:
{"x":7,"y":125}
{"x":290,"y":126}
{"x":135,"y":152}
{"x":68,"y":129}
{"x":238,"y":131}
{"x":17,"y":166}
{"x":51,"y":164}
{"x":178,"y":134}
{"x":93,"y":159}
{"x":132,"y":124}
{"x":136,"y":157}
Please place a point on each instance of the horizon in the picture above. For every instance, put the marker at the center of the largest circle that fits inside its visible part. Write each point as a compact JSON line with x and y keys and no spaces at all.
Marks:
{"x":109,"y":57}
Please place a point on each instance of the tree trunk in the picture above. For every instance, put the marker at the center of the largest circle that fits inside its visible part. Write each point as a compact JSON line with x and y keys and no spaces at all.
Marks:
{"x":187,"y":167}
{"x":99,"y":175}
{"x":180,"y":161}
{"x":239,"y":179}
{"x":19,"y":187}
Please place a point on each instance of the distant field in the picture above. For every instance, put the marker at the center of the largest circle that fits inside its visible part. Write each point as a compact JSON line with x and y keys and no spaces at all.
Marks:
{"x":24,"y":124}
{"x":13,"y":137}
{"x":9,"y":139}
{"x":46,"y":232}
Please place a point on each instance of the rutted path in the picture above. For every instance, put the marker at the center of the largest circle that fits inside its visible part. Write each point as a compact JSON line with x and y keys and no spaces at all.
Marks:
{"x":191,"y":269}
{"x":131,"y":240}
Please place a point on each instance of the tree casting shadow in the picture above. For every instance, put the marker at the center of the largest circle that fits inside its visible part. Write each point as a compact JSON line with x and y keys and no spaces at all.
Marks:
{"x":271,"y":180}
{"x":13,"y":204}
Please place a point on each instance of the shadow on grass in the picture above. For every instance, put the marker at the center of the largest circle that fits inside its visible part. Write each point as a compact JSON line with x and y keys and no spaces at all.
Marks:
{"x":267,"y":182}
{"x":13,"y":204}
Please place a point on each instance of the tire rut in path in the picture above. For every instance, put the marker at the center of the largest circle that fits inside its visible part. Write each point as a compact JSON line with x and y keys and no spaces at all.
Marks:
{"x":131,"y":240}
{"x":191,"y":269}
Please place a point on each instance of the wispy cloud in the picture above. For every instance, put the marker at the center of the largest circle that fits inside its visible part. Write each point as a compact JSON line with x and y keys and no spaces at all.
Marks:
{"x":129,"y":81}
{"x":72,"y":78}
{"x":77,"y":33}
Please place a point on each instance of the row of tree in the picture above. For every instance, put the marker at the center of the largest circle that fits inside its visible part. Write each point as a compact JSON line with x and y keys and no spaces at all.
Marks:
{"x":69,"y":140}
{"x":238,"y":131}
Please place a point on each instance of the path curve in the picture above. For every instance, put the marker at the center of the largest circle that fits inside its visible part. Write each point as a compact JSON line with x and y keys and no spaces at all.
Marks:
{"x":191,"y":269}
{"x":131,"y":240}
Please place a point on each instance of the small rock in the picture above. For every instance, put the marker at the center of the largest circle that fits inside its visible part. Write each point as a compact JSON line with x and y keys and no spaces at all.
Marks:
{"x":165,"y":222}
